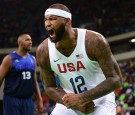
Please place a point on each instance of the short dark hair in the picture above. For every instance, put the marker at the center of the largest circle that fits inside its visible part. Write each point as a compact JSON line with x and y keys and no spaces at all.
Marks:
{"x":60,"y":6}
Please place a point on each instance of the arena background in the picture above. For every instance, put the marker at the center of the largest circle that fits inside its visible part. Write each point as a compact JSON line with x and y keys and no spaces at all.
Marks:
{"x":115,"y":19}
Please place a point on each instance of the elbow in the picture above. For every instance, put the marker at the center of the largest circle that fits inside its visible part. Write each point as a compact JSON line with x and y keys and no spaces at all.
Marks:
{"x":50,"y":90}
{"x":47,"y":90}
{"x":118,"y":81}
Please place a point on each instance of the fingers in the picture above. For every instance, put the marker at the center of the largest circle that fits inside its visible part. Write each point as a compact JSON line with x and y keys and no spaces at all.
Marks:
{"x":65,"y":97}
{"x":86,"y":110}
{"x":87,"y":107}
{"x":72,"y":101}
{"x":66,"y":103}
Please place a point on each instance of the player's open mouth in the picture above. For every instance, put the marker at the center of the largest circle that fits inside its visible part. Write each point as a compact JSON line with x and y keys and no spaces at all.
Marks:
{"x":51,"y":33}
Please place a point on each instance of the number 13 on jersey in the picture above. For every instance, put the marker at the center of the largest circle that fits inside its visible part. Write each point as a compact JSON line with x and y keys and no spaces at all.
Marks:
{"x":26,"y":75}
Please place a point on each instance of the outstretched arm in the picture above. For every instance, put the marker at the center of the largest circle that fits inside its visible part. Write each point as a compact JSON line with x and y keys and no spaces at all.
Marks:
{"x":47,"y":75}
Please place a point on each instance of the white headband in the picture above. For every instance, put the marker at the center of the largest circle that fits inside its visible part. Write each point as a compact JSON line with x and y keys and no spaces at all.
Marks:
{"x":57,"y":12}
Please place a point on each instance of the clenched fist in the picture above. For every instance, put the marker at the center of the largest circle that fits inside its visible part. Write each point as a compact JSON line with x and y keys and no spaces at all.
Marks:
{"x":75,"y":101}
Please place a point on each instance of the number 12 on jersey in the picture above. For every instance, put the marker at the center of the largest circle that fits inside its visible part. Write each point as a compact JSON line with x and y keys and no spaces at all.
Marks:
{"x":78,"y":84}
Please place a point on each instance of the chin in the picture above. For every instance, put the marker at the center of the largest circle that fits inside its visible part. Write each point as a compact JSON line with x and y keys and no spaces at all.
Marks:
{"x":54,"y":40}
{"x":28,"y":49}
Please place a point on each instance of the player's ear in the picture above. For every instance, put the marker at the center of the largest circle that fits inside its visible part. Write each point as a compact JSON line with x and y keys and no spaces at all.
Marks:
{"x":68,"y":21}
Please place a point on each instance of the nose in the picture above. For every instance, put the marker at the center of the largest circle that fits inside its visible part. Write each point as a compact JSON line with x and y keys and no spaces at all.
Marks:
{"x":47,"y":23}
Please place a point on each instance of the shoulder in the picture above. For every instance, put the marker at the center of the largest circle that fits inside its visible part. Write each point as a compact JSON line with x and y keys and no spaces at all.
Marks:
{"x":96,"y":44}
{"x":32,"y":57}
{"x":7,"y":57}
{"x":95,"y":36}
{"x":42,"y":46}
{"x":7,"y":60}
{"x":42,"y":53}
{"x":95,"y":39}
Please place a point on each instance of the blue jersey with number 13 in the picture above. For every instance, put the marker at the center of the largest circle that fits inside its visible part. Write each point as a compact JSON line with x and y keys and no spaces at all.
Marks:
{"x":19,"y":82}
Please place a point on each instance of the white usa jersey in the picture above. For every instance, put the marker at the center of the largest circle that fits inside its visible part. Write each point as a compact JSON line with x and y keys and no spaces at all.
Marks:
{"x":77,"y":73}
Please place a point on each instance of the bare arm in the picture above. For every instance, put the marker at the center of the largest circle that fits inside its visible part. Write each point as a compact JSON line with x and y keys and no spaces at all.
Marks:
{"x":54,"y":92}
{"x":98,"y":49}
{"x":37,"y":90}
{"x":4,"y":68}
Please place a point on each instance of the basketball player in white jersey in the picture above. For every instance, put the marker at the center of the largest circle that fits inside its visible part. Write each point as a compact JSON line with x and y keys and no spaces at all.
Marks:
{"x":84,"y":63}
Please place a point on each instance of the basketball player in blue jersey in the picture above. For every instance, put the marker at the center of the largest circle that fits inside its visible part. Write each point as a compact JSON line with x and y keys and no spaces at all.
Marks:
{"x":18,"y":70}
{"x":84,"y":63}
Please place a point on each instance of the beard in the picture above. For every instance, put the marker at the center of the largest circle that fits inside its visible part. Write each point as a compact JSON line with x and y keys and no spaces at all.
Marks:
{"x":27,"y":49}
{"x":59,"y":34}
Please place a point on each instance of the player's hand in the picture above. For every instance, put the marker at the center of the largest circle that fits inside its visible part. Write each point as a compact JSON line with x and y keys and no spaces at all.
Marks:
{"x":40,"y":107}
{"x":71,"y":100}
{"x":75,"y":101}
{"x":87,"y":107}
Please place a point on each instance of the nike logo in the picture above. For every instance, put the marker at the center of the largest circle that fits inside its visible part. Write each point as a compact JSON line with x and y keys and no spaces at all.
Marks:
{"x":57,"y":60}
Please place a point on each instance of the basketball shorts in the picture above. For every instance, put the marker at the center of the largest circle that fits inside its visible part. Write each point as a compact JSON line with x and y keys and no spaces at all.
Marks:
{"x":17,"y":106}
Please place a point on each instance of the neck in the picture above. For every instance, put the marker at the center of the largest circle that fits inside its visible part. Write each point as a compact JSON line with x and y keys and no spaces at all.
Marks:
{"x":22,"y":53}
{"x":68,"y":41}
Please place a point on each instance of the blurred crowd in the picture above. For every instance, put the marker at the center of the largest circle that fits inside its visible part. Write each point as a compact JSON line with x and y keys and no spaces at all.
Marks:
{"x":109,"y":18}
{"x":125,"y":96}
